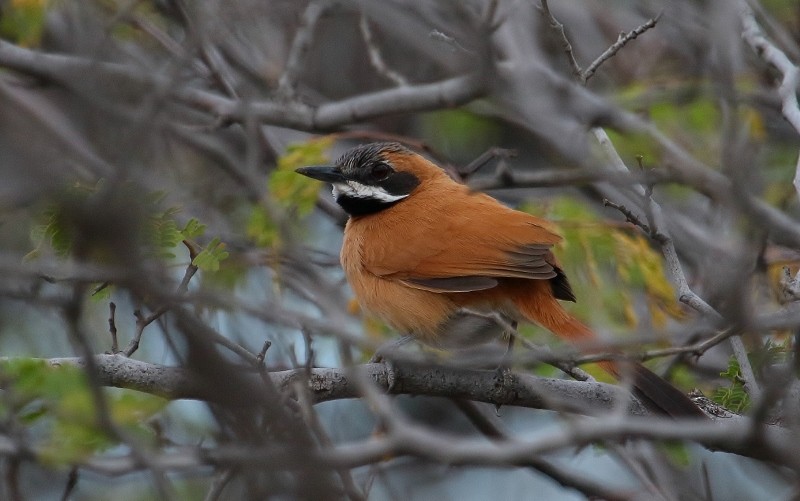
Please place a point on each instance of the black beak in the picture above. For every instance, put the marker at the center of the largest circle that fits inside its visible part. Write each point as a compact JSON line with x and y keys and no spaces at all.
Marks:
{"x":323,"y":173}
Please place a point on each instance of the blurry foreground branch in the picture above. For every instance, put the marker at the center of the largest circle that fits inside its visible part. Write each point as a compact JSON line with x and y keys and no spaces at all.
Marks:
{"x":731,"y":435}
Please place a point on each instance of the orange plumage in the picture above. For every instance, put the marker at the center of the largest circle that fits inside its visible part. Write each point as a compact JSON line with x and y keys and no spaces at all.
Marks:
{"x":421,"y":251}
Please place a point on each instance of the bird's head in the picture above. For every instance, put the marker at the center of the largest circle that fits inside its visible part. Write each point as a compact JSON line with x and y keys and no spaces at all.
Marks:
{"x":373,"y":177}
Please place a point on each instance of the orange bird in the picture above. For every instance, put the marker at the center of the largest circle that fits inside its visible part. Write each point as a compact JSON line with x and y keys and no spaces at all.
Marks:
{"x":425,"y":254}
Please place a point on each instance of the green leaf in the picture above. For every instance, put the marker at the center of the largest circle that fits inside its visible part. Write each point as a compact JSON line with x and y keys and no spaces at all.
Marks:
{"x":733,"y":397}
{"x":193,"y":229}
{"x":210,"y":257}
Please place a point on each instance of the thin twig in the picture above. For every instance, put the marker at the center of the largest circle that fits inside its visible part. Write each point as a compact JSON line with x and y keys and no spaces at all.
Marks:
{"x":112,"y":327}
{"x":500,"y":154}
{"x":72,"y":482}
{"x":447,"y":39}
{"x":218,"y":484}
{"x":307,"y":340}
{"x":559,"y":29}
{"x":621,"y":42}
{"x":696,"y":349}
{"x":583,"y":76}
{"x":629,"y":215}
{"x":143,"y":321}
{"x":263,"y":353}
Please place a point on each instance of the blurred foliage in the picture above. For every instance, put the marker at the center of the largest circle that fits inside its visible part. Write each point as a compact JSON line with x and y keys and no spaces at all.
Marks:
{"x":786,"y":11}
{"x":57,"y":403}
{"x":616,"y":269}
{"x":54,"y":230}
{"x":160,"y":231}
{"x":22,"y":21}
{"x":459,"y":133}
{"x":142,"y":12}
{"x":288,"y":194}
{"x":677,"y":453}
{"x":299,"y":192}
{"x":687,"y":113}
{"x":261,"y":227}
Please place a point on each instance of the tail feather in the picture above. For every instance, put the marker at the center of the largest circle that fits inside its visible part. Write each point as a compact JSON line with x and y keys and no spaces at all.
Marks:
{"x":657,"y":394}
{"x":661,"y":397}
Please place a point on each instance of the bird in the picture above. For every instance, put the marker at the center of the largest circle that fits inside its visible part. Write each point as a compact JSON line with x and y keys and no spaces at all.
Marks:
{"x":433,"y":258}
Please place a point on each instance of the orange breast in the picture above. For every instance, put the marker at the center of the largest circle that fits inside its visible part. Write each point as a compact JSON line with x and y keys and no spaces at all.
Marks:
{"x":410,"y":311}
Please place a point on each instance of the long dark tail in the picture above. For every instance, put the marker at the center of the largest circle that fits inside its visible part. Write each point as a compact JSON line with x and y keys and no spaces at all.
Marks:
{"x":656,"y":393}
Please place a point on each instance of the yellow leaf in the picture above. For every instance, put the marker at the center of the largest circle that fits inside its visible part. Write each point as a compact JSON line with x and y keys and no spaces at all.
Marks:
{"x":628,"y":311}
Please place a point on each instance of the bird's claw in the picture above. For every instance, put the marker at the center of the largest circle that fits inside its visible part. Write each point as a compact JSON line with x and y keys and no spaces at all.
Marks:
{"x":503,"y":385}
{"x":389,"y":369}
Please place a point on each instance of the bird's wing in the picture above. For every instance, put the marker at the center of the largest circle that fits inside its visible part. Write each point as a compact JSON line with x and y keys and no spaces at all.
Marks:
{"x":463,"y":245}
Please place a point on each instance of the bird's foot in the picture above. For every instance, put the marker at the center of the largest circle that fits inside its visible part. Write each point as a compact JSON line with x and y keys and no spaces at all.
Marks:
{"x":383,"y":355}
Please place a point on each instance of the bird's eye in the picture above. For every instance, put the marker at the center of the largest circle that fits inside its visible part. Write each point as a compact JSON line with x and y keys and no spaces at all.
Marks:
{"x":380,"y":171}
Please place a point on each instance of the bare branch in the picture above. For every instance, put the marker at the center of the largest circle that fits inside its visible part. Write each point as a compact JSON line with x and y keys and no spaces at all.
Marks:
{"x":787,"y":90}
{"x":375,"y":56}
{"x":303,"y":39}
{"x":445,"y":94}
{"x":729,"y":435}
{"x":657,"y":230}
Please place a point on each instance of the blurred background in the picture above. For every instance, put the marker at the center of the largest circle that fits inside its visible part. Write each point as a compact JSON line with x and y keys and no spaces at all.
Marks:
{"x":147,"y":156}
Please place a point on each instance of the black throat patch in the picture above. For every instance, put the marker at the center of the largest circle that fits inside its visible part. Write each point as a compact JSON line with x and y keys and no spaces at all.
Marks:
{"x":357,"y":206}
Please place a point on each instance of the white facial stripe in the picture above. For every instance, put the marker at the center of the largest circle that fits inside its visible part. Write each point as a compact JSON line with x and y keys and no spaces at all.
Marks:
{"x":357,"y":190}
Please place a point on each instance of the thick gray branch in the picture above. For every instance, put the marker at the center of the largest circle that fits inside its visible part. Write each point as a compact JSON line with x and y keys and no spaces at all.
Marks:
{"x":67,"y":70}
{"x":333,"y":383}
